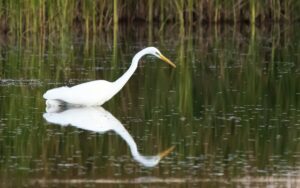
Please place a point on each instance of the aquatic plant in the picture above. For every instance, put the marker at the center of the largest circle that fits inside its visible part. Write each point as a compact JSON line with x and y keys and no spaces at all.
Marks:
{"x":23,"y":18}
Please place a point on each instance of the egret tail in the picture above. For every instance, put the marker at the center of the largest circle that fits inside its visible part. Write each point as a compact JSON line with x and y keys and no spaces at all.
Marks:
{"x":56,"y":93}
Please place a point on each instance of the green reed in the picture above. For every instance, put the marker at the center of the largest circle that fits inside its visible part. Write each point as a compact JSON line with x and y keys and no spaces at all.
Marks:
{"x":39,"y":16}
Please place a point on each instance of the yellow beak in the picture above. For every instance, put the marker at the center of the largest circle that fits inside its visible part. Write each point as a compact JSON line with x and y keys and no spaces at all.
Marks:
{"x":162,"y":57}
{"x":166,"y":152}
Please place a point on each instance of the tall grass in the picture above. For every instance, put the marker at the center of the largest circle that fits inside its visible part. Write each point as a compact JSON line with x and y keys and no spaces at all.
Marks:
{"x":41,"y":16}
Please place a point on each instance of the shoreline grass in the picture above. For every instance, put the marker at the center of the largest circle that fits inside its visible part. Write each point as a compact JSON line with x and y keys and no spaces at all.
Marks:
{"x":46,"y":17}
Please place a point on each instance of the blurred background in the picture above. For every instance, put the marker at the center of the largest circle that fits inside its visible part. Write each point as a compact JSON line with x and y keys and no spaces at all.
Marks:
{"x":230,"y":107}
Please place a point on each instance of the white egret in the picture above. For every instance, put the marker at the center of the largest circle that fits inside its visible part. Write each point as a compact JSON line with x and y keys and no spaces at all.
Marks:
{"x":99,"y":120}
{"x":95,"y":93}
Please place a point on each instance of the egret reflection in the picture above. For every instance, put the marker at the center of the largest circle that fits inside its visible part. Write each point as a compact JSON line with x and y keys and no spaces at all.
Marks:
{"x":97,"y":119}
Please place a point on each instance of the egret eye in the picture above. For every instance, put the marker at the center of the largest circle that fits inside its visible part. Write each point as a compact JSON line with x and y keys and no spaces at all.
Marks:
{"x":157,"y":53}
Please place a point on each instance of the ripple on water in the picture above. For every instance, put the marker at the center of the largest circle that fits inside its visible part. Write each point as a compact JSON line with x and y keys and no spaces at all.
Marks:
{"x":20,"y":82}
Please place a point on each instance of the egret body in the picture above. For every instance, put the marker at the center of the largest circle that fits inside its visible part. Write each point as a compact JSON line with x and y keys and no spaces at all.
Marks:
{"x":96,"y":93}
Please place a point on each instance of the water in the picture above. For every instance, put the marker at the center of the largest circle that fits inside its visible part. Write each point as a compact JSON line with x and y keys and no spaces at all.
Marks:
{"x":230,"y":109}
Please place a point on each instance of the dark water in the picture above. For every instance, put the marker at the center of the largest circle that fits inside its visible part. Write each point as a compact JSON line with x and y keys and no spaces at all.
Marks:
{"x":231,"y":109}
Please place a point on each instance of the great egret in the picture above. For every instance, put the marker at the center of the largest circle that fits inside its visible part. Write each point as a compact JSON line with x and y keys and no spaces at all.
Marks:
{"x":97,"y":119}
{"x":95,"y":93}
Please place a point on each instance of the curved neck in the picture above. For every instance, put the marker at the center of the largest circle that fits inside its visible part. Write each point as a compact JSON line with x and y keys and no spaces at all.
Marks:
{"x":120,"y":130}
{"x":125,"y":77}
{"x":148,"y":161}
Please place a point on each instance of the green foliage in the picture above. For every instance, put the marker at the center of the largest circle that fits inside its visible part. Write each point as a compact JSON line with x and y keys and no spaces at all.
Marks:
{"x":85,"y":16}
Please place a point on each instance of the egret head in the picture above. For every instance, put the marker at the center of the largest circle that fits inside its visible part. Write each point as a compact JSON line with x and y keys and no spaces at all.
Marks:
{"x":154,"y":51}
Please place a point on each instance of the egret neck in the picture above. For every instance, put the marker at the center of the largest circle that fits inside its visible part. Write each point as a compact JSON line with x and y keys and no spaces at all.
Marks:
{"x":119,"y":83}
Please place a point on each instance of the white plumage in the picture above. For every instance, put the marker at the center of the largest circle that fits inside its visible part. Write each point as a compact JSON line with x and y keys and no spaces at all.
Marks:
{"x":90,"y":93}
{"x":97,"y":92}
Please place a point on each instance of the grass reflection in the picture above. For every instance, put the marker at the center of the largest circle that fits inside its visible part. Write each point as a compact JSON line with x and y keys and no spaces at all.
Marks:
{"x":230,"y":107}
{"x":185,"y":61}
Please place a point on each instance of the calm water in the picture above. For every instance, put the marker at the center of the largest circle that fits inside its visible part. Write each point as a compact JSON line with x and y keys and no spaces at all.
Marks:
{"x":231,"y":109}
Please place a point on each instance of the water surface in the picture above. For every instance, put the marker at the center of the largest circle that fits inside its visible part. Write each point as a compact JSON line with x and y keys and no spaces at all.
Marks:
{"x":230,"y":109}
